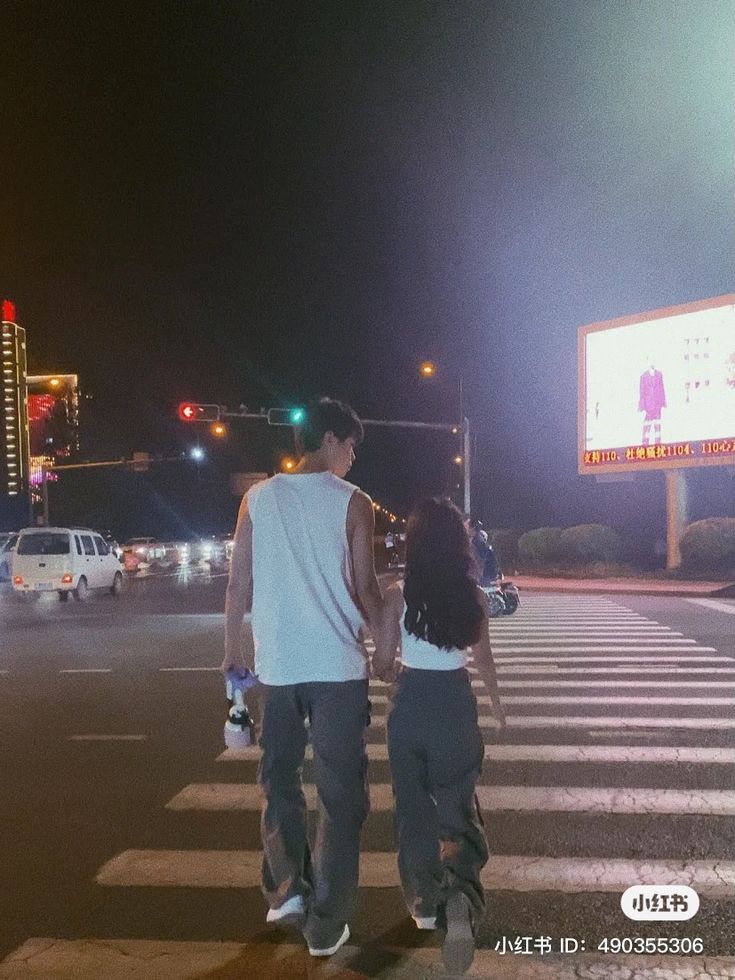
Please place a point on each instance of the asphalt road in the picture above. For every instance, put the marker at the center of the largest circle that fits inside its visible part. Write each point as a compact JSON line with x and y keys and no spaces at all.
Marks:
{"x":112,"y":749}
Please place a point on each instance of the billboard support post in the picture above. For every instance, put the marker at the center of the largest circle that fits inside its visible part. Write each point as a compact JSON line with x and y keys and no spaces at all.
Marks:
{"x":676,"y":515}
{"x":466,"y":458}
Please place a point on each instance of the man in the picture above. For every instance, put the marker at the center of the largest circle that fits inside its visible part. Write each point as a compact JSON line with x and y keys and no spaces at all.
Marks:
{"x":487,"y":564}
{"x":303,"y":562}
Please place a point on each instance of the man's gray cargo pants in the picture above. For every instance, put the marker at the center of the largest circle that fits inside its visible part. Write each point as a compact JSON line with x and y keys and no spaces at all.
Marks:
{"x":327,"y":876}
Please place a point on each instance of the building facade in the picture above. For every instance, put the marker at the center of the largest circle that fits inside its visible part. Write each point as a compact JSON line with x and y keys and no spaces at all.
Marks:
{"x":15,"y":437}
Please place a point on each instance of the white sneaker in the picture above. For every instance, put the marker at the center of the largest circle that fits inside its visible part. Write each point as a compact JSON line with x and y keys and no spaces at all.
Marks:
{"x":332,"y":949}
{"x":291,"y":912}
{"x":424,"y":922}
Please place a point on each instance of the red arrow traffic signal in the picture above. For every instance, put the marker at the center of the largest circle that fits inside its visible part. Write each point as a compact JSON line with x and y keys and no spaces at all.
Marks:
{"x":193,"y":412}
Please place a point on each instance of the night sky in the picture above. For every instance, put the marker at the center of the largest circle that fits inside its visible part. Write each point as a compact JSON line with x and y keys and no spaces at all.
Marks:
{"x":242,"y":202}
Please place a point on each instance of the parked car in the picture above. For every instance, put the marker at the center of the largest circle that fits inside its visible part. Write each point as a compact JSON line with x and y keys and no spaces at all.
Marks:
{"x":7,"y":544}
{"x":64,"y":560}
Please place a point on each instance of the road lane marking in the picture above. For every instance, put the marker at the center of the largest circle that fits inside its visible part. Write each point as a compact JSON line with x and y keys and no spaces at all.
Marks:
{"x":714,"y":604}
{"x":242,"y":869}
{"x":86,"y":670}
{"x":181,"y":670}
{"x":667,"y":754}
{"x":106,"y":738}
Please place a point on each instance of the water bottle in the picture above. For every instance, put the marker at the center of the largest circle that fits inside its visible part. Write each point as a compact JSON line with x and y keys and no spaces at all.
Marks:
{"x":239,"y":724}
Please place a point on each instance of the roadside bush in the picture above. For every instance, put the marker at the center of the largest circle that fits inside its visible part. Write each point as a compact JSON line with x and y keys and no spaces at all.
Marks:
{"x":590,"y":542}
{"x":505,"y":546}
{"x":709,"y":544}
{"x":541,"y":544}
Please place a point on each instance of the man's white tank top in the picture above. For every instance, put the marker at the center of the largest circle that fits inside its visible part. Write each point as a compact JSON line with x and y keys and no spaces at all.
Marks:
{"x":422,"y":655}
{"x":306,"y":623}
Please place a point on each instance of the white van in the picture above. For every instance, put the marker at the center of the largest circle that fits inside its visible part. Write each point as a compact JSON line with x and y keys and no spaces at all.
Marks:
{"x":64,"y":560}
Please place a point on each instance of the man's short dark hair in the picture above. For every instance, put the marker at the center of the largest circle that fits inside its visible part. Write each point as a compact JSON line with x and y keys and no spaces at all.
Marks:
{"x":327,"y":415}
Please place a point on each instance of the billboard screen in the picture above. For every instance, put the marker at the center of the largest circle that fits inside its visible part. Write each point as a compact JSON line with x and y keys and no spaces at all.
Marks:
{"x":657,"y":390}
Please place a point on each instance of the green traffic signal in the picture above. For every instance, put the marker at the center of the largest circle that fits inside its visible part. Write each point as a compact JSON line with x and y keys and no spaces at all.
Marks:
{"x":286,"y":416}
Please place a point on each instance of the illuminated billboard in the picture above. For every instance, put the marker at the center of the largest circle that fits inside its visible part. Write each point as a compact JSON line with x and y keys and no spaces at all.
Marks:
{"x":657,"y":390}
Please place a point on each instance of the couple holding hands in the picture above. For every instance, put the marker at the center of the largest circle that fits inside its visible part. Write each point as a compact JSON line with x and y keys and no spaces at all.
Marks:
{"x":303,"y":566}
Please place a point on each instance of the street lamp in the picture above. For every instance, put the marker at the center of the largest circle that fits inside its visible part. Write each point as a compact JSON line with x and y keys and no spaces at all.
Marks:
{"x":427,"y":369}
{"x":197,"y":454}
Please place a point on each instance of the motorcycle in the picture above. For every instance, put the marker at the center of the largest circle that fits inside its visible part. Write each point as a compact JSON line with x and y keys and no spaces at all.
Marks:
{"x":503,"y":598}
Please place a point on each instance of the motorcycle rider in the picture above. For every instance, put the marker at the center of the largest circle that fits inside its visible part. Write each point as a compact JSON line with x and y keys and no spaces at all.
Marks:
{"x":488,"y":569}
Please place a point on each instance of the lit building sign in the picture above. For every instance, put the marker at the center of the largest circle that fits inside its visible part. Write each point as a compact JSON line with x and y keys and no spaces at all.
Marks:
{"x":53,"y":415}
{"x":14,"y":450}
{"x":657,"y":390}
{"x":53,"y":422}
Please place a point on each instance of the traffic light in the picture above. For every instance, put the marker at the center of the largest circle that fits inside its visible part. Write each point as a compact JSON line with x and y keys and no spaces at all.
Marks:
{"x":218,"y":429}
{"x":192,"y":412}
{"x":286,"y":416}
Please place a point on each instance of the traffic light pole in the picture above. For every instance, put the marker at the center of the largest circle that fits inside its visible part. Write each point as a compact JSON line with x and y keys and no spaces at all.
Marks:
{"x":444,"y":427}
{"x":45,"y":470}
{"x":463,"y":427}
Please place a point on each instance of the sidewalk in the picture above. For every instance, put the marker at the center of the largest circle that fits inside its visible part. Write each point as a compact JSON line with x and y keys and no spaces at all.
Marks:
{"x":634,"y":586}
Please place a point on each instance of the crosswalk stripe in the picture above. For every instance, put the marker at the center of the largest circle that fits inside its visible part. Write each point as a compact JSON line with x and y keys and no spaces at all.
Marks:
{"x":117,"y":959}
{"x":597,"y":721}
{"x":242,"y":869}
{"x":616,"y":683}
{"x":667,"y":642}
{"x":125,"y":959}
{"x":547,"y":637}
{"x":529,"y":670}
{"x":522,"y":699}
{"x":501,"y":649}
{"x":641,"y":669}
{"x":132,"y":959}
{"x":595,"y":633}
{"x":726,"y":607}
{"x":675,"y":658}
{"x":548,"y":799}
{"x":664,"y":754}
{"x":526,"y":622}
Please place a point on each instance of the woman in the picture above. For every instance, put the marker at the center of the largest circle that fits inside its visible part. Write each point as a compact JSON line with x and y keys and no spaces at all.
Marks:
{"x":434,"y":741}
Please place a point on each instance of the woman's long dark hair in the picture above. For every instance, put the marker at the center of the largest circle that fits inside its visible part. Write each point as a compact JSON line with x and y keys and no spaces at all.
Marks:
{"x":441,"y":595}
